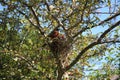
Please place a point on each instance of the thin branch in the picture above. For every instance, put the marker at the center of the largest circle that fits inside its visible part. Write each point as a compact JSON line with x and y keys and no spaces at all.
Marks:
{"x":103,"y":13}
{"x":80,"y":32}
{"x":82,"y":15}
{"x":54,"y":17}
{"x":109,"y":18}
{"x":23,"y":58}
{"x":39,"y":27}
{"x":102,"y":22}
{"x":26,"y":17}
{"x":37,"y":20}
{"x":72,"y":13}
{"x":47,"y":6}
{"x":110,"y":41}
{"x":75,"y":11}
{"x":24,"y":37}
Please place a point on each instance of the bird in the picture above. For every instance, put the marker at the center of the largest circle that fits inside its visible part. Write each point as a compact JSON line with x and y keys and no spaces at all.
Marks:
{"x":56,"y":34}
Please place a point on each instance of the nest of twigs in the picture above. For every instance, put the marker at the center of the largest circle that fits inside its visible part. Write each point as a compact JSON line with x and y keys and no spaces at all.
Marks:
{"x":60,"y":48}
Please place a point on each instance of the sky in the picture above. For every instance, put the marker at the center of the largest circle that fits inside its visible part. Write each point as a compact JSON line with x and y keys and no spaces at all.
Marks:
{"x":1,"y":8}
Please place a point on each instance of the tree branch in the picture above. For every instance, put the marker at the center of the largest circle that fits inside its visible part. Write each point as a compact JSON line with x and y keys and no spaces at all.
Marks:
{"x":102,"y":22}
{"x":80,"y":54}
{"x":109,"y":18}
{"x":103,"y":12}
{"x":39,"y":27}
{"x":107,"y":31}
{"x":81,"y":18}
{"x":92,"y":45}
{"x":110,"y":41}
{"x":26,"y":17}
{"x":37,"y":20}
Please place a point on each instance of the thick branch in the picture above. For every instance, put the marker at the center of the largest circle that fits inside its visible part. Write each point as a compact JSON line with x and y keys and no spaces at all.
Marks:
{"x":92,"y":45}
{"x":108,"y":30}
{"x":80,"y":54}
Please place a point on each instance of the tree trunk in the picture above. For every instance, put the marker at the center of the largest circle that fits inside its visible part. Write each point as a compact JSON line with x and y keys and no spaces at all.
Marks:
{"x":60,"y":74}
{"x":60,"y":70}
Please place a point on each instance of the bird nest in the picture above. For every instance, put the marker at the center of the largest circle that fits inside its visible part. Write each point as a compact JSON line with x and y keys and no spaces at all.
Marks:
{"x":60,"y":48}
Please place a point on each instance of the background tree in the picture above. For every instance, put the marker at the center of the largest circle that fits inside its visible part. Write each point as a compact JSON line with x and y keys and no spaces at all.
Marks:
{"x":25,"y":26}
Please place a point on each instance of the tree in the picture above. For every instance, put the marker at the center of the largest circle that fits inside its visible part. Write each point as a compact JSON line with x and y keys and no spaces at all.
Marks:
{"x":25,"y":26}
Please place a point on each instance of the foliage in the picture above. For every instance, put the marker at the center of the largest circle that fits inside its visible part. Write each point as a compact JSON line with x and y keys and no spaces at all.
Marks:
{"x":26,"y":24}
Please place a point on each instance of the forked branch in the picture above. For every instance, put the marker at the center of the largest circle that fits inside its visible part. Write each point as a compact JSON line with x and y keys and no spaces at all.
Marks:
{"x":92,"y":45}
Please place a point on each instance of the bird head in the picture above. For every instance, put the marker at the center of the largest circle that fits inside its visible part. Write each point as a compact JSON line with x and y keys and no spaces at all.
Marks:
{"x":54,"y":34}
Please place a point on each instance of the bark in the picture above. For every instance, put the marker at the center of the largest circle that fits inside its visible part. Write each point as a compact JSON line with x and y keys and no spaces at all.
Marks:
{"x":60,"y":74}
